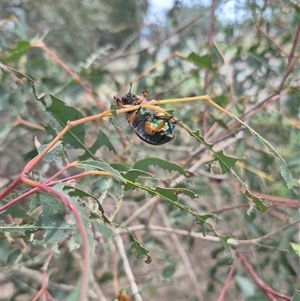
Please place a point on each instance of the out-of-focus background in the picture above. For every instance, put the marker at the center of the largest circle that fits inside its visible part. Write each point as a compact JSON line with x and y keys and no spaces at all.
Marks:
{"x":84,"y":52}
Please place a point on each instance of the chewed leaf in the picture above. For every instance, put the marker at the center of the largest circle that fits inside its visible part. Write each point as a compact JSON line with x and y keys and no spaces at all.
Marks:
{"x":226,"y":162}
{"x":287,"y":175}
{"x":80,"y":193}
{"x":15,"y":228}
{"x":53,"y":154}
{"x":52,"y":218}
{"x":140,"y":250}
{"x":258,"y":201}
{"x":132,"y":175}
{"x":172,"y":195}
{"x":164,"y":164}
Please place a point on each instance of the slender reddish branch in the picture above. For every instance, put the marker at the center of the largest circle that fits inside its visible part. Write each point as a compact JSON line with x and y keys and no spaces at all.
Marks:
{"x":295,"y":43}
{"x":258,"y":281}
{"x":272,"y":40}
{"x":43,"y":290}
{"x":82,"y":231}
{"x":227,"y":282}
{"x":85,"y":85}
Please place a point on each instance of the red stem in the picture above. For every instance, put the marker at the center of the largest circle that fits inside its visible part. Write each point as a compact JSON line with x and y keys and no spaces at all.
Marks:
{"x":226,"y":285}
{"x":260,"y":283}
{"x":81,"y":229}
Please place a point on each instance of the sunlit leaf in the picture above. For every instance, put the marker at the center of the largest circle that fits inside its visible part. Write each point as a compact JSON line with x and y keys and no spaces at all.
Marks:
{"x":203,"y":62}
{"x":296,"y":248}
{"x":16,"y":53}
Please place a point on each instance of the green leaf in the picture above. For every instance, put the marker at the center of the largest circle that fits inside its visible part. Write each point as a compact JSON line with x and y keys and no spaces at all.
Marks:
{"x":53,"y":154}
{"x":296,"y":248}
{"x":102,"y":140}
{"x":14,"y":257}
{"x":5,"y":130}
{"x":171,"y":195}
{"x":203,"y":62}
{"x":168,"y":271}
{"x":145,"y":163}
{"x":14,"y":228}
{"x":224,"y":241}
{"x":226,"y":162}
{"x":245,"y":285}
{"x":105,"y":230}
{"x":131,"y":176}
{"x":52,"y":217}
{"x":296,"y":295}
{"x":286,"y":174}
{"x":120,"y":166}
{"x":92,"y":165}
{"x":258,"y":201}
{"x":15,"y":54}
{"x":80,"y":193}
{"x":15,"y":211}
{"x":74,"y":295}
{"x":63,"y":114}
{"x":140,"y":250}
{"x":81,"y":214}
{"x":50,"y":130}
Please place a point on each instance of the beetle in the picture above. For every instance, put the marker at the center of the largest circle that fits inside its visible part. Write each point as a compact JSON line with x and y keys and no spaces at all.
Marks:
{"x":153,"y":127}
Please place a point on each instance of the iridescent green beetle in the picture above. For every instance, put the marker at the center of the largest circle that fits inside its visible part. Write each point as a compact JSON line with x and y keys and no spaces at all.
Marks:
{"x":153,"y":127}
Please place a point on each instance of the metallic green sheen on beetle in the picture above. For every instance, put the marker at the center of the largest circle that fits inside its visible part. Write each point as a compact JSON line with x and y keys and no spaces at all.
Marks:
{"x":153,"y":127}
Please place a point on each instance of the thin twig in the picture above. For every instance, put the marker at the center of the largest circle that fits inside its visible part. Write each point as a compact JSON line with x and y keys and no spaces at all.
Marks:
{"x":185,"y":258}
{"x":272,"y":40}
{"x":127,"y":268}
{"x":227,"y":282}
{"x":211,"y":238}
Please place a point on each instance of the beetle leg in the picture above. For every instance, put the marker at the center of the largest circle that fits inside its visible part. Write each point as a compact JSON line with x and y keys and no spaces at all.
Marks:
{"x":150,"y":130}
{"x":142,"y":98}
{"x":118,"y":101}
{"x":133,"y":115}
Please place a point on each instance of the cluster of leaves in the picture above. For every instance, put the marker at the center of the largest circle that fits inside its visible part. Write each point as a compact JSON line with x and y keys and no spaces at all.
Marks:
{"x":90,"y":173}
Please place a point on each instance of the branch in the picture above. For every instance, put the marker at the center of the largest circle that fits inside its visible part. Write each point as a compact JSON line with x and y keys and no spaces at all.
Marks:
{"x":229,"y":278}
{"x":260,"y":283}
{"x":127,"y":268}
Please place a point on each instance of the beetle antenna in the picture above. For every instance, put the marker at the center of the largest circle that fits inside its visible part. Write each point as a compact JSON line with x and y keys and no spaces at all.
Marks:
{"x":130,"y":84}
